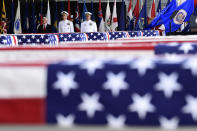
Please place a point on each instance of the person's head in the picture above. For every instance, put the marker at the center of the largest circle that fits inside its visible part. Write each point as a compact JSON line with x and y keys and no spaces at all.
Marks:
{"x":64,"y":15}
{"x":45,"y":20}
{"x":88,"y":15}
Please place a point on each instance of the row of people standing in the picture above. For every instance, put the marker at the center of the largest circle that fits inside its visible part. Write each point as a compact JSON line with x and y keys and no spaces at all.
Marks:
{"x":66,"y":26}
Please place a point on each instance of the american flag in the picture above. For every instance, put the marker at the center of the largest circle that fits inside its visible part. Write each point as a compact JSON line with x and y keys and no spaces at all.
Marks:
{"x":134,"y":33}
{"x":72,"y":37}
{"x":148,"y":33}
{"x":117,"y":35}
{"x":37,"y":39}
{"x":8,"y":40}
{"x":115,"y":93}
{"x":97,"y":36}
{"x":54,"y":39}
{"x":176,"y":48}
{"x":77,"y":19}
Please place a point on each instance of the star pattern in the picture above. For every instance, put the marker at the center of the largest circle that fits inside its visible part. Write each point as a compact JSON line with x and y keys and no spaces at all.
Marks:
{"x":186,"y":47}
{"x":115,"y":97}
{"x":90,"y":104}
{"x":65,"y":82}
{"x":175,"y":48}
{"x":115,"y":83}
{"x":142,"y":65}
{"x":169,"y":124}
{"x":65,"y":121}
{"x":95,"y":36}
{"x":116,"y":122}
{"x":92,"y":66}
{"x":191,"y":107}
{"x":191,"y":64}
{"x":141,"y":105}
{"x":168,"y":84}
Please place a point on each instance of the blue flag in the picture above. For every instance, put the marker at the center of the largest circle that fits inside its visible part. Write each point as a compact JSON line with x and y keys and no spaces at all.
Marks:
{"x":142,"y":21}
{"x":55,"y":22}
{"x":168,"y":2}
{"x":183,"y":13}
{"x":195,"y":11}
{"x":62,"y":6}
{"x":159,"y":7}
{"x":26,"y":18}
{"x":84,"y":10}
{"x":11,"y":27}
{"x":92,"y":10}
{"x":122,"y":17}
{"x":33,"y":20}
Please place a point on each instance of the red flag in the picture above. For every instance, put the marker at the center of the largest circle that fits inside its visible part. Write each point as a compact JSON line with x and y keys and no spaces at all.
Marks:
{"x":100,"y":18}
{"x":195,"y":3}
{"x":69,"y":10}
{"x":136,"y":10}
{"x":130,"y":6}
{"x":152,"y":12}
{"x":114,"y":23}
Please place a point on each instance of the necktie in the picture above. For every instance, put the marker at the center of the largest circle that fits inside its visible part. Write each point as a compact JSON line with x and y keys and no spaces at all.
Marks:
{"x":44,"y":28}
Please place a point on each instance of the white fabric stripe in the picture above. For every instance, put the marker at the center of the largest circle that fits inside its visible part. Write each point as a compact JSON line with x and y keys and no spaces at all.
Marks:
{"x":22,"y":82}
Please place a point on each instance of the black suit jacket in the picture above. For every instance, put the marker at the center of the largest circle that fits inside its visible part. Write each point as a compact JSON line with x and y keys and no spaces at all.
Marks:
{"x":49,"y":29}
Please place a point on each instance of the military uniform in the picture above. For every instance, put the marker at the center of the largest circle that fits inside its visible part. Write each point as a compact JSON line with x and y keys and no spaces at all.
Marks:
{"x":88,"y":26}
{"x":65,"y":26}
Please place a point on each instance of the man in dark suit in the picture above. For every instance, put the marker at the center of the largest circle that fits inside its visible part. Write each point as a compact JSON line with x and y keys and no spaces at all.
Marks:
{"x":45,"y":28}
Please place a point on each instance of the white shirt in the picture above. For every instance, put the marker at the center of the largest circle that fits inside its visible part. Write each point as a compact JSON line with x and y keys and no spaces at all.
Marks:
{"x":88,"y":26}
{"x":65,"y":26}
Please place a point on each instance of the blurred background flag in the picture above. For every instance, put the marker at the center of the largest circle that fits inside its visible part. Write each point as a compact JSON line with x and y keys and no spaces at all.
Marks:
{"x":122,"y":17}
{"x":130,"y":19}
{"x":17,"y":22}
{"x":183,"y":9}
{"x":159,"y":7}
{"x":108,"y":18}
{"x":48,"y":13}
{"x":3,"y":11}
{"x":62,"y":6}
{"x":11,"y":27}
{"x":195,"y":3}
{"x":33,"y":19}
{"x":152,"y":12}
{"x":168,"y":2}
{"x":195,"y":11}
{"x":84,"y":10}
{"x":142,"y":20}
{"x":92,"y":10}
{"x":77,"y":19}
{"x":114,"y":23}
{"x":55,"y":17}
{"x":136,"y":11}
{"x":26,"y":18}
{"x":41,"y":12}
{"x":69,"y":18}
{"x":100,"y":19}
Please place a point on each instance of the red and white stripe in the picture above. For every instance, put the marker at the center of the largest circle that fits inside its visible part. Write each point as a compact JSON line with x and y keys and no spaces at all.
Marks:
{"x":22,"y":95}
{"x":130,"y":12}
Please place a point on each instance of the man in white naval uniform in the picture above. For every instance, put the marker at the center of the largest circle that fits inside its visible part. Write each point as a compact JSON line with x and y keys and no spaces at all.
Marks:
{"x":88,"y":25}
{"x":65,"y":26}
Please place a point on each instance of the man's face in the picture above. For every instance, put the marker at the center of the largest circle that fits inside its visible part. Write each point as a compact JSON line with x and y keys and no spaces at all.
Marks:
{"x":88,"y":17}
{"x":64,"y":16}
{"x":44,"y":20}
